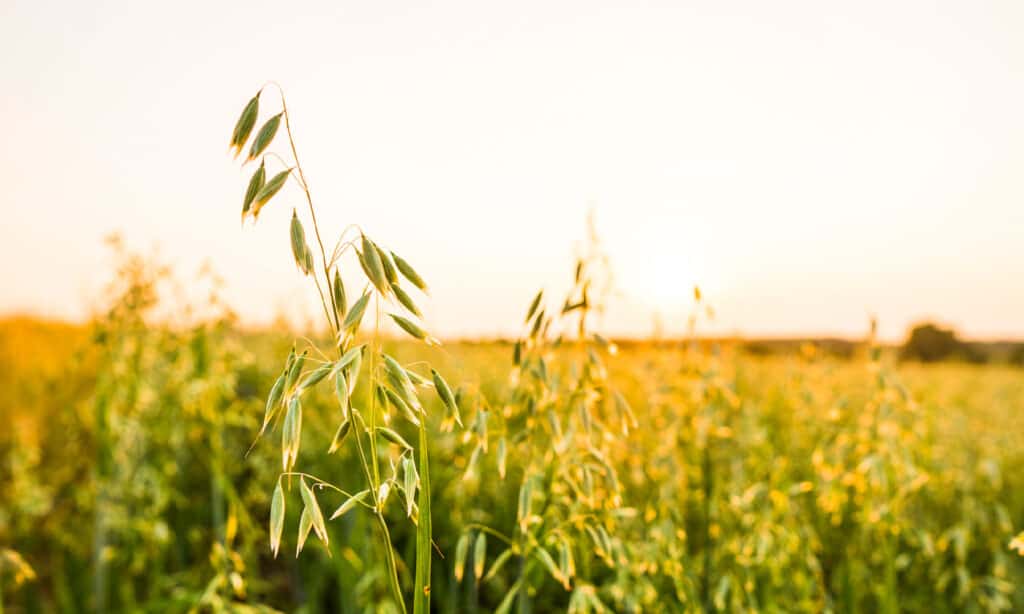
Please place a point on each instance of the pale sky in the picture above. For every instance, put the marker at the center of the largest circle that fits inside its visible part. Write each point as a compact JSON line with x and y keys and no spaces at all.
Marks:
{"x":807,"y":163}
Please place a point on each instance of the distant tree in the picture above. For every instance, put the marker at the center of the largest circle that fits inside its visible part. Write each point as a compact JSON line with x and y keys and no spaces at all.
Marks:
{"x":1017,"y":355}
{"x":930,"y":343}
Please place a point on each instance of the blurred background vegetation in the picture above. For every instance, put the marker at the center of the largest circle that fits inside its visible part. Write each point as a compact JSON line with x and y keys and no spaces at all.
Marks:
{"x":782,"y":475}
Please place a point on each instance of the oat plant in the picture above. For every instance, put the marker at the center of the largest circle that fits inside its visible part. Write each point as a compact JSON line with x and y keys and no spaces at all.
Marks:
{"x":394,"y":471}
{"x":559,"y":427}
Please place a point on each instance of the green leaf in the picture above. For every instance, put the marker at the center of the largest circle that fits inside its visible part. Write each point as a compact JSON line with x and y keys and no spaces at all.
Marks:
{"x":245,"y":123}
{"x":276,"y":518}
{"x":265,"y":136}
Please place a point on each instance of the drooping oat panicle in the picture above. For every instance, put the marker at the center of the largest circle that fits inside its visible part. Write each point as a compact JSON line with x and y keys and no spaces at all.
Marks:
{"x":386,"y":273}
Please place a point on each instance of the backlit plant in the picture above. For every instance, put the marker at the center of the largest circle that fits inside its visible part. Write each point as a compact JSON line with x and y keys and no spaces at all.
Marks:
{"x":393,"y":470}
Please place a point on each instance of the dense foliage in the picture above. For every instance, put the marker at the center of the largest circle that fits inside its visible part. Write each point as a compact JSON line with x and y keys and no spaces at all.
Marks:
{"x":797,"y":483}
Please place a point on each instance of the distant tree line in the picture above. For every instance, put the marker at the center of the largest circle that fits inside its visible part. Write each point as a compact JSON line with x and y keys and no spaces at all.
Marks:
{"x":925,"y":342}
{"x":928,"y":342}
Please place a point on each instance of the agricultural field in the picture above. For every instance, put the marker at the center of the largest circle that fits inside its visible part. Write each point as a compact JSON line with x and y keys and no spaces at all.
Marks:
{"x":674,"y":477}
{"x":165,"y":458}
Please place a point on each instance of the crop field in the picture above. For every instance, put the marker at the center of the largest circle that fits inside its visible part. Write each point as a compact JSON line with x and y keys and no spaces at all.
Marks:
{"x":643,"y":478}
{"x":164,"y":457}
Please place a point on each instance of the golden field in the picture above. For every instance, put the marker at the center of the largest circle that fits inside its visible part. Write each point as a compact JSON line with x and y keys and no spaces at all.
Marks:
{"x":799,"y":482}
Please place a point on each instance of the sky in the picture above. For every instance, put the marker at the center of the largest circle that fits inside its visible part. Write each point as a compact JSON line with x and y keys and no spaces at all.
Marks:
{"x":808,"y":164}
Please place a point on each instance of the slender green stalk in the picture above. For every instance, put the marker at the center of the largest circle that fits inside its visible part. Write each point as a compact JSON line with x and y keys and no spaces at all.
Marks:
{"x":424,"y":529}
{"x":316,"y":226}
{"x":706,"y":578}
{"x":99,"y":540}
